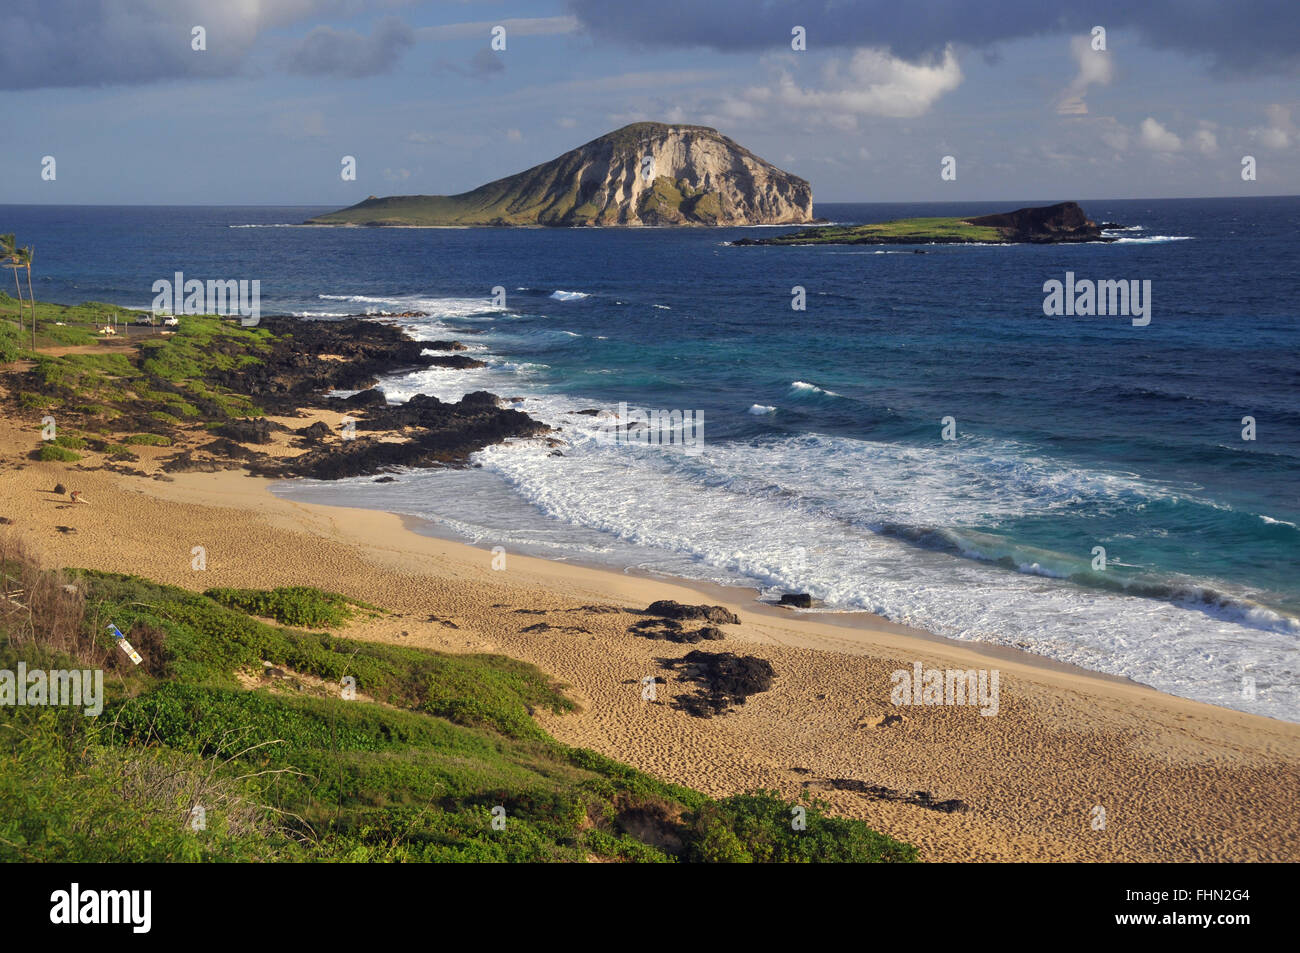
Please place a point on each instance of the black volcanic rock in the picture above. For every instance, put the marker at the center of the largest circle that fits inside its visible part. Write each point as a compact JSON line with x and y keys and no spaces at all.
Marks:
{"x":673,"y":631}
{"x":1049,"y":223}
{"x":249,"y":430}
{"x":305,"y":360}
{"x":443,"y":434}
{"x":308,"y":358}
{"x":458,"y":361}
{"x":370,"y":397}
{"x":721,"y":680}
{"x":670,"y":609}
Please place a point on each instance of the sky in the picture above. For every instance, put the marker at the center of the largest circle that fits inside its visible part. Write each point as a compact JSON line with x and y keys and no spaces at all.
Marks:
{"x":1020,"y":93}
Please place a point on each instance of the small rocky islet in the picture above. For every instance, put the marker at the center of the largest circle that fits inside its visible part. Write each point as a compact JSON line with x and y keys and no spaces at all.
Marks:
{"x":1062,"y":223}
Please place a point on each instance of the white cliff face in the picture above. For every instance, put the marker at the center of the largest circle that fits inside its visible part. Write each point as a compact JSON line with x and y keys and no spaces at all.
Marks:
{"x":654,"y":174}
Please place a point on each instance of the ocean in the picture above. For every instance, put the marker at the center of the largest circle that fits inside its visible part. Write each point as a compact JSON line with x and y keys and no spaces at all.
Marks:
{"x":823,"y":466}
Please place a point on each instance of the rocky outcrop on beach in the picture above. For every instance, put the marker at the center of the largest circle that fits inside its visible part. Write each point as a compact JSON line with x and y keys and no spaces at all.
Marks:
{"x":720,"y":680}
{"x":648,"y":173}
{"x":671,"y":609}
{"x":304,"y":361}
{"x":423,"y":432}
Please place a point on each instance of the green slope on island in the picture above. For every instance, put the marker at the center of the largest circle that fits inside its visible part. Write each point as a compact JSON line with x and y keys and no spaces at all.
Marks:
{"x":644,"y":174}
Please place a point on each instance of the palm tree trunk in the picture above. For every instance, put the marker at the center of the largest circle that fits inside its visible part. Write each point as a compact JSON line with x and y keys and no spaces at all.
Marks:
{"x":20,"y":298}
{"x":32,"y":298}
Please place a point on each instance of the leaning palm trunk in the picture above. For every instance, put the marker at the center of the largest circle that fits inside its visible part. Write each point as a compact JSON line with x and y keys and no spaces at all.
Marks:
{"x":19,"y":288}
{"x":31,"y":298}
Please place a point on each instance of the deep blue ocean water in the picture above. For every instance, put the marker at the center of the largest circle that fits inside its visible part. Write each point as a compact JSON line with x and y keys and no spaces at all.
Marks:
{"x":823,"y":468}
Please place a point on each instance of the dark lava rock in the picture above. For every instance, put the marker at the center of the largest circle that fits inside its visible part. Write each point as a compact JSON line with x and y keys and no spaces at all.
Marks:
{"x":60,"y":489}
{"x":292,"y":374}
{"x":225,"y":447}
{"x":370,"y":397}
{"x":316,"y":433}
{"x":1064,"y":222}
{"x":880,"y":793}
{"x":444,"y":435}
{"x":186,"y":462}
{"x":672,"y":631}
{"x":722,"y":679}
{"x":458,"y":361}
{"x":444,"y":346}
{"x":385,"y":479}
{"x":670,"y":609}
{"x":800,"y":600}
{"x":244,"y":430}
{"x":547,"y":627}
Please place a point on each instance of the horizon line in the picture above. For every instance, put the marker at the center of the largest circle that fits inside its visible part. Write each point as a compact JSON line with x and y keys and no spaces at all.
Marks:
{"x":1143,"y":198}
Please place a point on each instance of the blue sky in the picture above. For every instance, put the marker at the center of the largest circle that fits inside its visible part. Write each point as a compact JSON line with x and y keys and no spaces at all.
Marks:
{"x":1012,"y":88}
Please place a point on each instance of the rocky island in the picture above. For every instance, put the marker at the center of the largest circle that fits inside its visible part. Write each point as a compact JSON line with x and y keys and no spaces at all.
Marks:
{"x":648,"y":173}
{"x":1048,"y":224}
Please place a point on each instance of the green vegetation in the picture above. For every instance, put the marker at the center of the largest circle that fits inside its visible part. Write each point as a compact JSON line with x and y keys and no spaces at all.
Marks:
{"x":670,"y":200}
{"x":153,"y":390}
{"x":902,"y":231}
{"x":10,"y":340}
{"x":147,"y":440}
{"x":300,"y":606}
{"x":247,"y":720}
{"x":52,"y":452}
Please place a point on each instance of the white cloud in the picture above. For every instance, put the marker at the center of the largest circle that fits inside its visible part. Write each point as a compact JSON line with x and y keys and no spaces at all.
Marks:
{"x":1157,"y":138}
{"x":1205,"y":139}
{"x":1116,"y":137}
{"x":1095,"y":68}
{"x":872,"y":83}
{"x":1279,"y":131}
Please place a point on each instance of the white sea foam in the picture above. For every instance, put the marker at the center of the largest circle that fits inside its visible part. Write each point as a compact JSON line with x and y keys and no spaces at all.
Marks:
{"x":569,"y":295}
{"x":1152,"y":239}
{"x":842,"y":519}
{"x":759,"y":410}
{"x":805,"y":389}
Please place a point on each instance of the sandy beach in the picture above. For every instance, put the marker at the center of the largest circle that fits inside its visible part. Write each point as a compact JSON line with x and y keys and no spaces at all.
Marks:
{"x":1177,"y":780}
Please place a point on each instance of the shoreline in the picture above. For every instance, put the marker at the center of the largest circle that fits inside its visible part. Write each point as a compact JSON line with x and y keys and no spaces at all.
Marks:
{"x":1180,"y":780}
{"x":750,"y":598}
